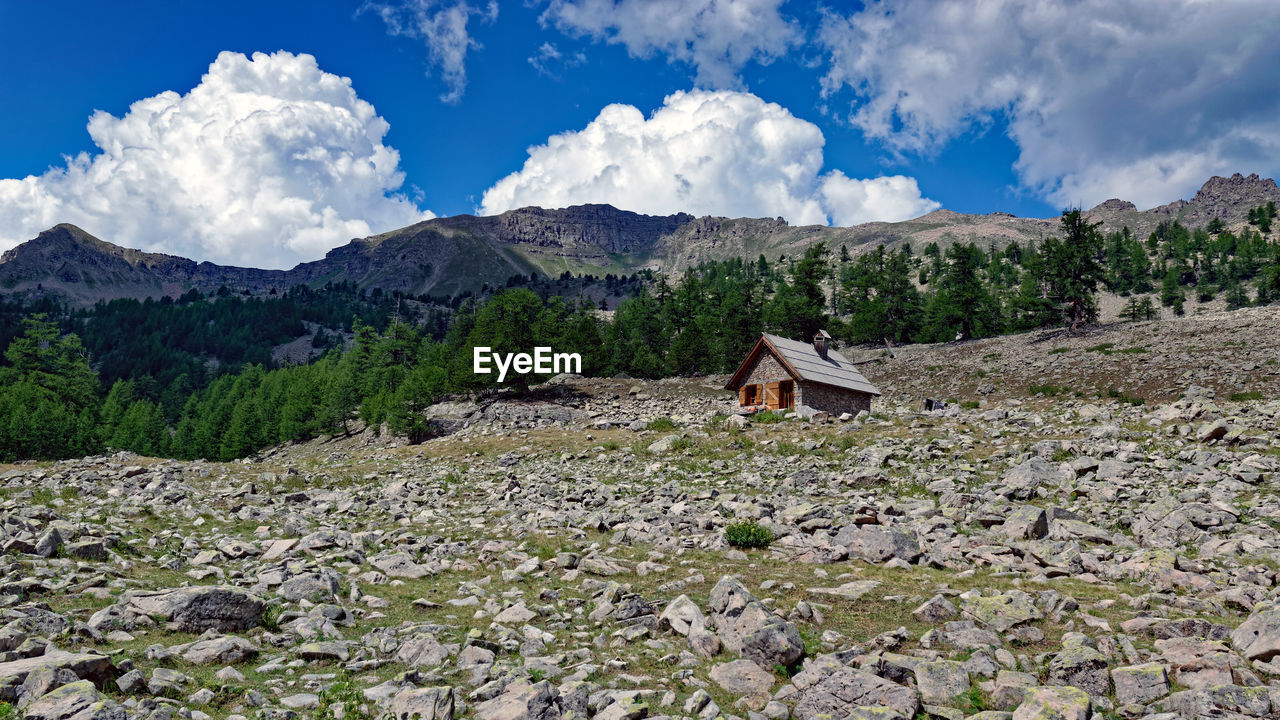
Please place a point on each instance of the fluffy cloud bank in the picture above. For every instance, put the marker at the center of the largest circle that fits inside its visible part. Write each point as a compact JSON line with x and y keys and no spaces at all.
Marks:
{"x":267,"y":162}
{"x":1104,"y":98}
{"x":717,"y":37}
{"x":704,"y":152}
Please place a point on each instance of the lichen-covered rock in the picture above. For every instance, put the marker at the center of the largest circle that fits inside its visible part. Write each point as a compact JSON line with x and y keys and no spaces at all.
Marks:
{"x":74,"y":701}
{"x":1027,"y":522}
{"x":1083,"y":667}
{"x":1140,"y":684}
{"x":1054,"y":703}
{"x":539,"y":701}
{"x":227,"y":650}
{"x":746,"y":626}
{"x":195,"y":609}
{"x":1001,"y":612}
{"x":1219,"y":701}
{"x":935,"y":610}
{"x":1258,"y":637}
{"x":742,"y":677}
{"x":878,"y":544}
{"x":838,"y":694}
{"x":86,"y":666}
{"x":433,"y":703}
{"x":941,"y":681}
{"x":682,"y":614}
{"x":1022,"y":481}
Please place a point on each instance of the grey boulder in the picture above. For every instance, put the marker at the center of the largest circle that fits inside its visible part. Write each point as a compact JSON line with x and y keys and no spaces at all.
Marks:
{"x":838,"y":694}
{"x":744,"y":625}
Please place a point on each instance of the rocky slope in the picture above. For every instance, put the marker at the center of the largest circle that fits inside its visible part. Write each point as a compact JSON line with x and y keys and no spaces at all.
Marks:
{"x":1026,"y":555}
{"x":449,"y":255}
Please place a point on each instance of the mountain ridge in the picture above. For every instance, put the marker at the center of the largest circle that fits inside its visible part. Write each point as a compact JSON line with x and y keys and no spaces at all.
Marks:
{"x":451,"y":255}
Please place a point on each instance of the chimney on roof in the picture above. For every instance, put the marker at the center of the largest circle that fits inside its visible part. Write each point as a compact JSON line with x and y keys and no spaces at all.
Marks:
{"x":820,"y":343}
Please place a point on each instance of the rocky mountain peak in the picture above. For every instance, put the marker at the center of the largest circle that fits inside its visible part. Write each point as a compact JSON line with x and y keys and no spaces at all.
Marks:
{"x":1114,"y":205}
{"x":1237,"y":187}
{"x":1229,"y":198}
{"x":602,"y":226}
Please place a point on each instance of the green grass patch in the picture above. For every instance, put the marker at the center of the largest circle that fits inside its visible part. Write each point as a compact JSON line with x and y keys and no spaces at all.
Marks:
{"x":1249,"y":396}
{"x":662,"y":424}
{"x":748,"y":534}
{"x":1047,"y":390}
{"x":767,"y":417}
{"x":1115,"y":394}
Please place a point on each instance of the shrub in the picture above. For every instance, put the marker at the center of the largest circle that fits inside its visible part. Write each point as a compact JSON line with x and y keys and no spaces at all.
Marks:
{"x":1249,"y":396}
{"x":1047,"y":390}
{"x":662,"y":424}
{"x":1123,"y":397}
{"x":769,"y":416}
{"x":748,"y":534}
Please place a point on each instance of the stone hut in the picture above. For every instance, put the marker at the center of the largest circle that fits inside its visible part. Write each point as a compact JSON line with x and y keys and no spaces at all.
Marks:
{"x":782,"y":374}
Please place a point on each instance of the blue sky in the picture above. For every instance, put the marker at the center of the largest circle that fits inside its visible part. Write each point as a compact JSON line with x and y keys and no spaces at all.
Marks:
{"x":834,"y":115}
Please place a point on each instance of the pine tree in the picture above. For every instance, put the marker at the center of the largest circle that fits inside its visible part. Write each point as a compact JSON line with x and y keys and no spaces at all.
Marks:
{"x":962,"y":307}
{"x":1170,"y":290}
{"x":797,"y":309}
{"x":49,"y":404}
{"x":422,"y":387}
{"x":1071,"y":268}
{"x":506,"y":325}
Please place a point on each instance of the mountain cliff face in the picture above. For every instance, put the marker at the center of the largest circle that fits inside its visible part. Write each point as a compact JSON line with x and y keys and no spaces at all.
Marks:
{"x":446,"y":256}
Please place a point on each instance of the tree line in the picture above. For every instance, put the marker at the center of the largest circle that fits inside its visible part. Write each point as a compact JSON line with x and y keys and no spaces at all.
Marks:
{"x":54,"y":403}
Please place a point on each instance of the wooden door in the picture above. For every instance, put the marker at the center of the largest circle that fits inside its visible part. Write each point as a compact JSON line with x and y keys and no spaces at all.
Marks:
{"x":772,"y":395}
{"x":786,"y":394}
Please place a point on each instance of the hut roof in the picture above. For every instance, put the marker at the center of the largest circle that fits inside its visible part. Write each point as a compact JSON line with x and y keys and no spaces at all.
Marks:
{"x":803,"y":363}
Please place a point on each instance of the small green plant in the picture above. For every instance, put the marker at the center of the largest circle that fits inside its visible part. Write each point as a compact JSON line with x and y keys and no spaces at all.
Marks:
{"x":682,"y":443}
{"x":1059,"y":351}
{"x":969,"y":404}
{"x":662,"y":424}
{"x":767,"y":417}
{"x":271,"y":617}
{"x":973,"y":700}
{"x":7,"y":711}
{"x":341,"y":694}
{"x":1104,"y":348}
{"x":1250,"y":396}
{"x":610,"y":445}
{"x":1046,"y":390}
{"x":748,"y":534}
{"x":537,"y":674}
{"x":1115,"y":394}
{"x":787,"y":448}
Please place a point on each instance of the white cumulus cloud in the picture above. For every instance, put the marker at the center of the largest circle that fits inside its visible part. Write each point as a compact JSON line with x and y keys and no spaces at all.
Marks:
{"x":1104,"y":98}
{"x":441,"y":27}
{"x":269,"y":161}
{"x":717,"y":37}
{"x":708,"y":153}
